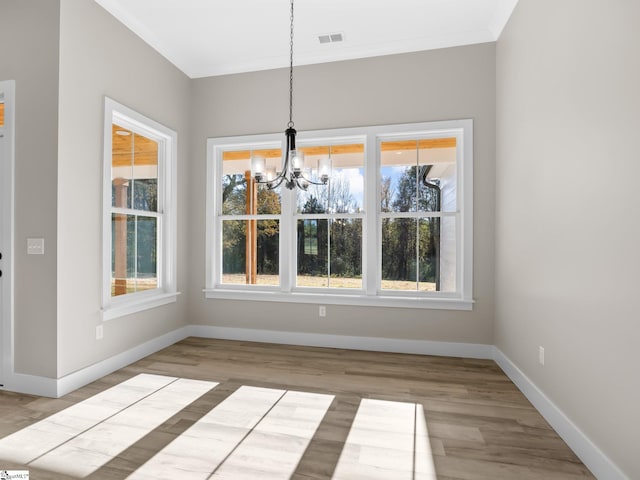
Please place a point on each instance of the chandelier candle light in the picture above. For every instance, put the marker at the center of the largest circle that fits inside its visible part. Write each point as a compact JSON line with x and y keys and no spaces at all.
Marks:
{"x":293,"y":174}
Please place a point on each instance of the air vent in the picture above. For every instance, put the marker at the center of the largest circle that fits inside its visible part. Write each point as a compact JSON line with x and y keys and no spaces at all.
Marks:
{"x":330,"y":38}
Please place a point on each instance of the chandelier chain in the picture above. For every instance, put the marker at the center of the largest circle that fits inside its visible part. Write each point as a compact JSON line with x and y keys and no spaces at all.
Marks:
{"x":290,"y":124}
{"x":293,"y":173}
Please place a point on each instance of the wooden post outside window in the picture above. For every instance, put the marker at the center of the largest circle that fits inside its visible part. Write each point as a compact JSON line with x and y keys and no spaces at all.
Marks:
{"x":251,"y":237}
{"x":120,"y":237}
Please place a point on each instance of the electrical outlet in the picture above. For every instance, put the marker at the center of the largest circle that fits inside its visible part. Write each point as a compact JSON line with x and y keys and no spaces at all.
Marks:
{"x":322,"y":311}
{"x":541,"y":355}
{"x":35,"y":246}
{"x":99,"y":332}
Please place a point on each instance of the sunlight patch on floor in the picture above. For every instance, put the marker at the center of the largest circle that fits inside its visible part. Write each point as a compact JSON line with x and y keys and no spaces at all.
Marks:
{"x":80,"y":439}
{"x":254,"y":433}
{"x":387,"y":440}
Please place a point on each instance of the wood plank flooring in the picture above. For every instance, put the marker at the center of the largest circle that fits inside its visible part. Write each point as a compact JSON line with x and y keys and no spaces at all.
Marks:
{"x":475,"y":422}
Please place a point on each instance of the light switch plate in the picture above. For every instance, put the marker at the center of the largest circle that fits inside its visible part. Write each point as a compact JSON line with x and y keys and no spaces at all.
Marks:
{"x":35,"y":246}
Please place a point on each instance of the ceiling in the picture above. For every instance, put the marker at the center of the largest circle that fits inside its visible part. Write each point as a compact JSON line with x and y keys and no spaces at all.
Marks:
{"x":211,"y":37}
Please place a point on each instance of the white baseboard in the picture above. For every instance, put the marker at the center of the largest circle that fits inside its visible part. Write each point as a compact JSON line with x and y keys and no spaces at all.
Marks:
{"x":30,"y":384}
{"x":374,"y":344}
{"x":599,"y":464}
{"x":75,"y":380}
{"x":595,"y":460}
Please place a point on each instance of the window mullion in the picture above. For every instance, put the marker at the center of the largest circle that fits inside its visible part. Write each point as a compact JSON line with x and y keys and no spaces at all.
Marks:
{"x":371,"y":235}
{"x":131,"y":211}
{"x":417,"y":254}
{"x":329,"y":225}
{"x":133,"y":160}
{"x":288,"y":240}
{"x":135,"y":253}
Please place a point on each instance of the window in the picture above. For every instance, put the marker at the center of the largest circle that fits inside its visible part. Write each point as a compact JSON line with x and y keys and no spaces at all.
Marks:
{"x":329,"y":220}
{"x":139,"y":217}
{"x":418,"y":180}
{"x":391,"y":228}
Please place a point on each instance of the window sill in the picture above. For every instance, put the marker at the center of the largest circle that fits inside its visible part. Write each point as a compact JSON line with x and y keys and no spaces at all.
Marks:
{"x":449,"y":303}
{"x":135,"y":305}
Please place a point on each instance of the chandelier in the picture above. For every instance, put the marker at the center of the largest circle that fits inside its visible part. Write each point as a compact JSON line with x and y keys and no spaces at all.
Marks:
{"x":293,"y":173}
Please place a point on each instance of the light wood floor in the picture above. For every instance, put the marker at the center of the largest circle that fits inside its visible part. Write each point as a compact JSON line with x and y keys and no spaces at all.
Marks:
{"x":479,"y":424}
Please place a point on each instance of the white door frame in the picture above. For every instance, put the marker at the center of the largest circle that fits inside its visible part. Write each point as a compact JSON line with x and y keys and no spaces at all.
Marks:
{"x":7,"y":162}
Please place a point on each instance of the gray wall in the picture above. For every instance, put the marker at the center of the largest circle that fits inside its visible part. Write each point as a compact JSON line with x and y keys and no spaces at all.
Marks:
{"x":568,"y":230}
{"x":436,"y":85}
{"x":29,"y":40}
{"x":98,"y":57}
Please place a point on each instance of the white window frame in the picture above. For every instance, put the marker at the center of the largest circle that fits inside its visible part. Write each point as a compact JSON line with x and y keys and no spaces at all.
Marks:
{"x":370,"y":294}
{"x":114,"y":307}
{"x":7,"y":189}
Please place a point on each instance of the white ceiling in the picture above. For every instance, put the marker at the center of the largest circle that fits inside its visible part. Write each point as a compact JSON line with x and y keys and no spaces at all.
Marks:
{"x":211,"y":37}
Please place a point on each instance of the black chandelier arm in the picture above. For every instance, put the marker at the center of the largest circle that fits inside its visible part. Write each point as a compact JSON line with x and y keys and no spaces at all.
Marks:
{"x":312,"y":182}
{"x":276,"y":182}
{"x":268,"y":183}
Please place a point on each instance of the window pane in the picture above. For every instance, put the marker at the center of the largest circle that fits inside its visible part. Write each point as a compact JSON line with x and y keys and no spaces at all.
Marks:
{"x":399,"y":254}
{"x":330,"y":253}
{"x":398,"y":174}
{"x":437,"y":176}
{"x":133,"y":254}
{"x":346,"y":253}
{"x":267,"y":254}
{"x":419,"y":254}
{"x":234,"y":251}
{"x":145,"y":173}
{"x":121,"y":166}
{"x":236,"y":175}
{"x":313,"y":253}
{"x":344,"y":192}
{"x":121,"y":282}
{"x":429,"y":254}
{"x":448,"y":253}
{"x":250,"y":254}
{"x":146,"y":253}
{"x":268,"y":201}
{"x":234,"y":194}
{"x":418,"y":175}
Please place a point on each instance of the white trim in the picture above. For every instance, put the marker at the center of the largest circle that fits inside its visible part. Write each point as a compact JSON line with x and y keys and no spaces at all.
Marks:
{"x":370,"y":253}
{"x":78,"y":379}
{"x":135,"y":305}
{"x":113,"y":307}
{"x":31,"y":385}
{"x":51,"y":387}
{"x":7,"y":188}
{"x":594,"y":458}
{"x":465,"y":229}
{"x":373,"y":344}
{"x":328,"y":297}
